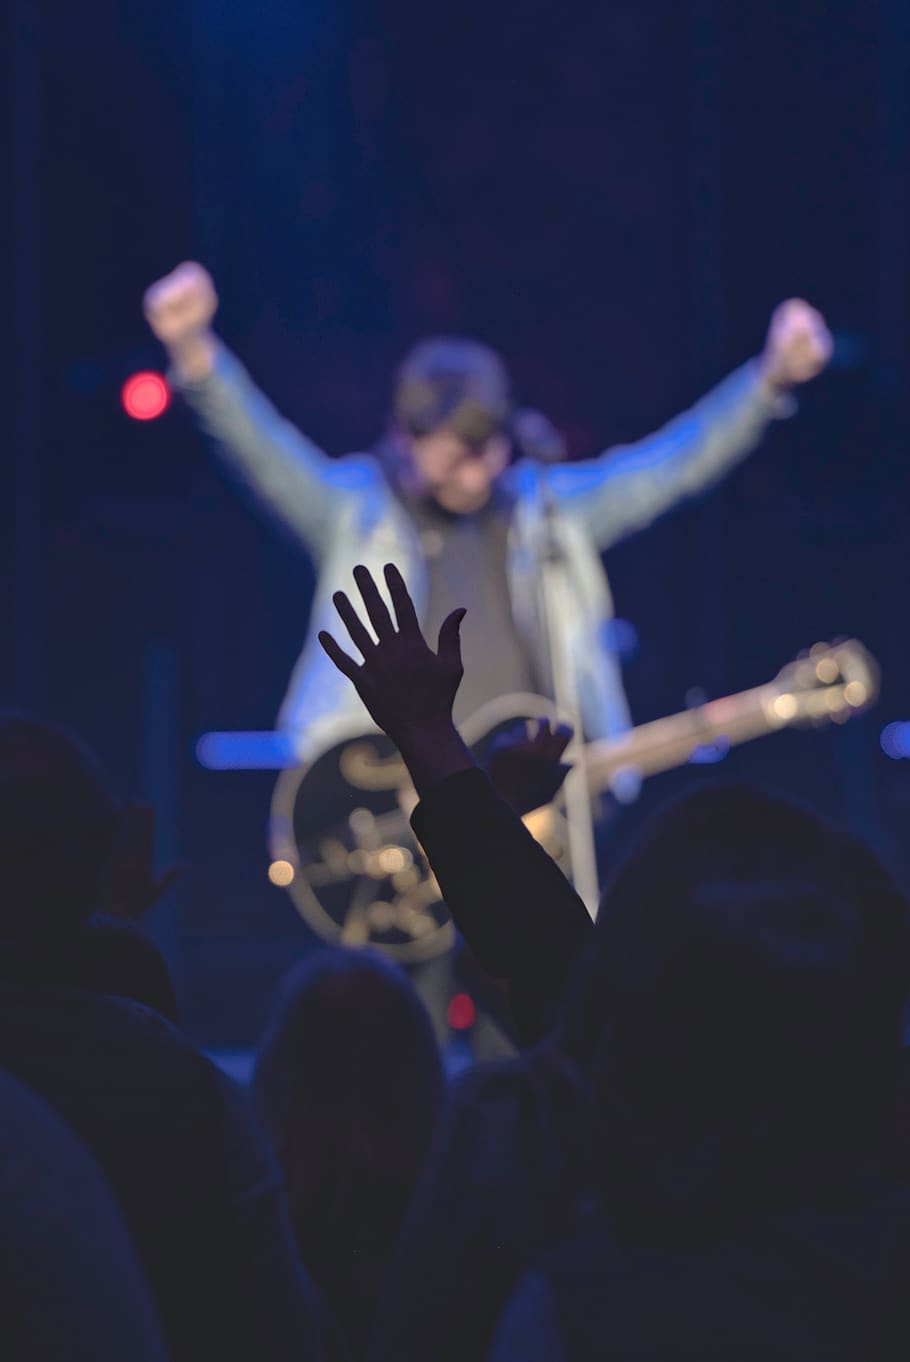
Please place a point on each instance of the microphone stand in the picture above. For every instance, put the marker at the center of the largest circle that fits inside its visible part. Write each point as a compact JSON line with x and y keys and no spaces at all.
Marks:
{"x":555,"y":600}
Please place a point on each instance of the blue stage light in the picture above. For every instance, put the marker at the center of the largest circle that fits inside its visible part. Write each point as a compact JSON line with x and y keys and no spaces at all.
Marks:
{"x":895,"y":741}
{"x":710,"y":752}
{"x":246,"y":751}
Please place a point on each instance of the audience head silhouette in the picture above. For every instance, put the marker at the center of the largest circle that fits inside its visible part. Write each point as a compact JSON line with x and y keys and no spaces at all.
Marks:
{"x":58,"y":823}
{"x":741,"y":1012}
{"x":113,"y":958}
{"x":349,"y":1084}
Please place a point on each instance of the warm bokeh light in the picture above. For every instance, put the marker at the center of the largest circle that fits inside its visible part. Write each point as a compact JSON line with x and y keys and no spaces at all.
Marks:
{"x":392,"y":860}
{"x":855,"y":694}
{"x":827,"y":670}
{"x":145,"y":396}
{"x":281,"y":873}
{"x":785,"y":707}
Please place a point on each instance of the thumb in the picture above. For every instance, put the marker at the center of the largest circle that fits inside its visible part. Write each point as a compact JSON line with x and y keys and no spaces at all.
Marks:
{"x":449,"y":647}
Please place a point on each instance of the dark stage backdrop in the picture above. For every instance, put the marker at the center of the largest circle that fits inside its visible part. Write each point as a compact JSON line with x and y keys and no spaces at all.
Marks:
{"x":614,"y":194}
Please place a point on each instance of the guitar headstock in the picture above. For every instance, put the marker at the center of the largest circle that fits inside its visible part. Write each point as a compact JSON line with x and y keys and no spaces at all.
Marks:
{"x":829,"y":683}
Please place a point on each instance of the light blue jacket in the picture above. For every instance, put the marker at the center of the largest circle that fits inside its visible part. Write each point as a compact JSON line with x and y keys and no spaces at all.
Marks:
{"x":344,"y":512}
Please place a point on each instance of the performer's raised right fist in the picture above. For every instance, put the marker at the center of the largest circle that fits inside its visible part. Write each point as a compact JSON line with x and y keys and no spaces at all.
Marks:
{"x":180,"y":309}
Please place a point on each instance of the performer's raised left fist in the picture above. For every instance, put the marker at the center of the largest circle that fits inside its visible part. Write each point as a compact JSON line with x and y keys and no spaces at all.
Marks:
{"x":798,"y":345}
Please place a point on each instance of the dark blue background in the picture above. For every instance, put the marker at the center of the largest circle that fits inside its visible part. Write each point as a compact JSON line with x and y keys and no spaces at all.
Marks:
{"x":615,"y":195}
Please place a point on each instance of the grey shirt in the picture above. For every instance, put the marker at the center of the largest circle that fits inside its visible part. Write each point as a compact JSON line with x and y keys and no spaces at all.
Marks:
{"x":466,"y":559}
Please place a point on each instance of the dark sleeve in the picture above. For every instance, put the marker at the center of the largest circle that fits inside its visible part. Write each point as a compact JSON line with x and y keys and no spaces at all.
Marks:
{"x":508,"y":898}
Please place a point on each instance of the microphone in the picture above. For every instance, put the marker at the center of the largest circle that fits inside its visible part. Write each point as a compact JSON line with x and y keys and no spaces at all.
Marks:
{"x":536,"y":437}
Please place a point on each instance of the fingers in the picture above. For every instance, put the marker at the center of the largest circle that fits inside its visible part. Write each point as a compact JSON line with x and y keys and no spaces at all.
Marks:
{"x":795,"y":316}
{"x":167,"y":296}
{"x":359,"y":634}
{"x":539,"y":737}
{"x":346,"y":665}
{"x":550,"y":738}
{"x":449,"y":647}
{"x":405,"y":614}
{"x":563,"y":735}
{"x":376,"y":608}
{"x":377,"y":611}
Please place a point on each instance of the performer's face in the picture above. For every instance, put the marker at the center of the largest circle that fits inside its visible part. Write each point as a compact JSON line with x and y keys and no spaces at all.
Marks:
{"x":458,"y":477}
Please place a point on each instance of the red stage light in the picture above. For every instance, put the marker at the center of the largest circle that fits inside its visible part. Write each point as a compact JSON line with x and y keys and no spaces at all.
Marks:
{"x":462,"y":1012}
{"x":145,"y":396}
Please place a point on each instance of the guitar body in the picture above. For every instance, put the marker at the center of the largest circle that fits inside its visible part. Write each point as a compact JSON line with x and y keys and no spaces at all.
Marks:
{"x":341,"y":823}
{"x":340,"y":832}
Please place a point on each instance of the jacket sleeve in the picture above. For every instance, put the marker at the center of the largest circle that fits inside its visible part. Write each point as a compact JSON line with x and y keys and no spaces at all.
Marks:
{"x":508,"y":898}
{"x":626,"y":488}
{"x":294,"y":479}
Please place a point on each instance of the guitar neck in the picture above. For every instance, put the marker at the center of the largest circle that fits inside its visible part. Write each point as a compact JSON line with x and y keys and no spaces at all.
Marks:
{"x":667,"y":743}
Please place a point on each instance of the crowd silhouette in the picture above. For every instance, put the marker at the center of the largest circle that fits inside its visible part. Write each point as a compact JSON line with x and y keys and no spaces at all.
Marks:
{"x":699,"y":1150}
